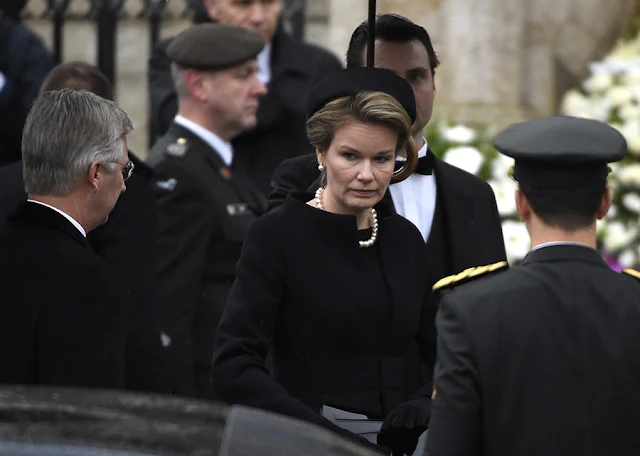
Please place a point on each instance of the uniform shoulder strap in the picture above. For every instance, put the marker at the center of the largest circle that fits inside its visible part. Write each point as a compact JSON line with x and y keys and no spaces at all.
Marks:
{"x":632,"y":272}
{"x":468,"y":275}
{"x":178,"y":148}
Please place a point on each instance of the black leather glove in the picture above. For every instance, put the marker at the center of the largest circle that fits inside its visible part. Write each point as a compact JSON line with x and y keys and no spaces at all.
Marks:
{"x":402,"y":428}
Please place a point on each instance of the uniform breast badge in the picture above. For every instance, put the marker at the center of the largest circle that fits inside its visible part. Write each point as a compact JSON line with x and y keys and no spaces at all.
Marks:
{"x":225,"y":173}
{"x":168,"y":185}
{"x":237,"y":209}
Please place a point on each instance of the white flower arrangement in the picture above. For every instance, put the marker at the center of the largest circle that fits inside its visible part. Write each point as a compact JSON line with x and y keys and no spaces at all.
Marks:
{"x":610,"y":94}
{"x":465,"y":157}
{"x":472,"y":150}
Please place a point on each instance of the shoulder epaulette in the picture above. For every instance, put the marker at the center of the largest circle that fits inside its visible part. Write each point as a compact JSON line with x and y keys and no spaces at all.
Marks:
{"x":469,"y":274}
{"x":632,"y":272}
{"x":178,"y":149}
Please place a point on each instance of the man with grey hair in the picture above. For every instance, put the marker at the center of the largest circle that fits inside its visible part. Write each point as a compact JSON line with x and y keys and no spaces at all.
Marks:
{"x":62,"y":318}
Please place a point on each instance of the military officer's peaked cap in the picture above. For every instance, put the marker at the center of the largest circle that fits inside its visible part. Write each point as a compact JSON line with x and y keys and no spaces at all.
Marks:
{"x":351,"y":81}
{"x":214,"y":46}
{"x":561,"y":151}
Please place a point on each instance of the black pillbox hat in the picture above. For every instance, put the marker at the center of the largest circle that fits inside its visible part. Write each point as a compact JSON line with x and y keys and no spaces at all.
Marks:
{"x":356,"y":80}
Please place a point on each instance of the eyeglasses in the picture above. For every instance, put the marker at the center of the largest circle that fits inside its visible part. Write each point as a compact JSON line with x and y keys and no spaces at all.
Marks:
{"x":127,"y":170}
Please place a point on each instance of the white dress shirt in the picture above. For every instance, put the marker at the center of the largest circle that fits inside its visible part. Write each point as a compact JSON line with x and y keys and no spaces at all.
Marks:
{"x":223,"y":148}
{"x":415,"y":198}
{"x":264,"y":64}
{"x":64,"y":214}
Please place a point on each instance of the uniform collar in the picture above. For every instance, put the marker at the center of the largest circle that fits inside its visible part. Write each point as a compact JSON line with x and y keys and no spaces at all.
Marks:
{"x":557,"y":252}
{"x":555,"y":243}
{"x":223,"y":148}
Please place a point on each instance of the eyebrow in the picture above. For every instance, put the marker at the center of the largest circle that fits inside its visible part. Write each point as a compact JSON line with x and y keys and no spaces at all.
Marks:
{"x":420,"y":70}
{"x":351,"y":149}
{"x":244,"y":68}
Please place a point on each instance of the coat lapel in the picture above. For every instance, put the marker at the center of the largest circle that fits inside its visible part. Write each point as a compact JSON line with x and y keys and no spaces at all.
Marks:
{"x":290,"y":75}
{"x":457,"y":211}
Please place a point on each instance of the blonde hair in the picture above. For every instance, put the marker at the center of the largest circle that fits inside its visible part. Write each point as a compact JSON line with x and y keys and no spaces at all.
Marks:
{"x":368,"y":107}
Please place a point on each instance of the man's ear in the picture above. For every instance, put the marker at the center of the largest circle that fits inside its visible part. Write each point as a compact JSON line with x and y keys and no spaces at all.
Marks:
{"x":605,"y":203}
{"x":524,"y":208}
{"x":194,"y":81}
{"x":212,"y":8}
{"x":93,"y":176}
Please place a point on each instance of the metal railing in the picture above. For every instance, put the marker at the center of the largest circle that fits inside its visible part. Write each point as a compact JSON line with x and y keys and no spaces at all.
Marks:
{"x":108,"y":13}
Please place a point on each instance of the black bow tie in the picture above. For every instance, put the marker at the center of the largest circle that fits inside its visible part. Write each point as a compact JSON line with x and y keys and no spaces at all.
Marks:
{"x":425,"y":164}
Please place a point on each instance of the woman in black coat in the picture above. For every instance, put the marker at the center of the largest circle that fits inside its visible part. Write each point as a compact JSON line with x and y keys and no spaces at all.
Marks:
{"x":330,"y":288}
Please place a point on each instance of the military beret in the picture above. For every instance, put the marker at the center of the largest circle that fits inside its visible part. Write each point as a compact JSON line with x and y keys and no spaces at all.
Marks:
{"x":356,"y":80}
{"x":561,"y":151}
{"x":214,"y":46}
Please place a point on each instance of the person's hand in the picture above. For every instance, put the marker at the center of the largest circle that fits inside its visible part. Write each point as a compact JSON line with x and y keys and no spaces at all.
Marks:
{"x":402,"y":428}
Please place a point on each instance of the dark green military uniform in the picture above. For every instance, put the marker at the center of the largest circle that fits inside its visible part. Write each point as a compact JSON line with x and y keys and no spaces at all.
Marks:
{"x":205,"y":210}
{"x":542,"y":358}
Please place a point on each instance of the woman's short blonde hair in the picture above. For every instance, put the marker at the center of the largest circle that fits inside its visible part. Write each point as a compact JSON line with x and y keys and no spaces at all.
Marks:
{"x":369,"y":107}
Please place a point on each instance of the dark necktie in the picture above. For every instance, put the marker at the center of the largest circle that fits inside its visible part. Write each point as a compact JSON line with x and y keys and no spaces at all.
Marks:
{"x":425,"y":164}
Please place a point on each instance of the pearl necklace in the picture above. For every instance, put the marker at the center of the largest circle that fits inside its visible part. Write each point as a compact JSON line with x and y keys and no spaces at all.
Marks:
{"x":374,"y":220}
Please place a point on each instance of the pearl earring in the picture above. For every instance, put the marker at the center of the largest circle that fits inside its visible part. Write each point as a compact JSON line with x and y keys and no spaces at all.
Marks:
{"x":320,"y":167}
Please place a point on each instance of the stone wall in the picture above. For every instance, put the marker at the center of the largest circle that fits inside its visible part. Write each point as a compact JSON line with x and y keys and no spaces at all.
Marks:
{"x":501,"y":61}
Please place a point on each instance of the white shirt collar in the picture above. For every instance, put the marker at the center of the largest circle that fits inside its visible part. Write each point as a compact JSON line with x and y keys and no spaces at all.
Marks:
{"x":264,"y":64}
{"x":423,"y":151}
{"x":415,"y":198}
{"x":64,"y":214}
{"x":554,"y":243}
{"x":223,"y":148}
